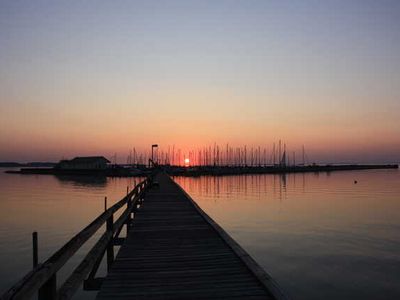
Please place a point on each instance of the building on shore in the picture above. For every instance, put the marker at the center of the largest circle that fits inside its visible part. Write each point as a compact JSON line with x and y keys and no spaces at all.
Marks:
{"x":84,"y":163}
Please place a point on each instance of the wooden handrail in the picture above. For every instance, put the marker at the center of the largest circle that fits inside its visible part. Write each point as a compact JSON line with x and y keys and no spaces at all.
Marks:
{"x":39,"y":276}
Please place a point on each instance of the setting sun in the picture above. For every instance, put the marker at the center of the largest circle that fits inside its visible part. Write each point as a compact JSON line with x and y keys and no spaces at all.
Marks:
{"x":187,"y":161}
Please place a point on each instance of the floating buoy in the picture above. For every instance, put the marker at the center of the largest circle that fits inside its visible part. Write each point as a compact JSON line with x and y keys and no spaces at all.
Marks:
{"x":355,"y":181}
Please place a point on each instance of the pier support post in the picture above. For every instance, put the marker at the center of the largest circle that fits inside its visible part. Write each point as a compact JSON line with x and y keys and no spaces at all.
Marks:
{"x":129,"y":217}
{"x":35,"y":256}
{"x":110,"y":247}
{"x":48,"y":291}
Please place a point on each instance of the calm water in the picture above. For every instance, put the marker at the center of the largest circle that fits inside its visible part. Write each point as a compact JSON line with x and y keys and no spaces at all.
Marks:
{"x":319,"y":235}
{"x":56,"y":207}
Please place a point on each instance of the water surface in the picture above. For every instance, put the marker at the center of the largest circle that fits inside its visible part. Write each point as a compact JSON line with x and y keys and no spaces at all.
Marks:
{"x":321,"y":236}
{"x":57,"y":207}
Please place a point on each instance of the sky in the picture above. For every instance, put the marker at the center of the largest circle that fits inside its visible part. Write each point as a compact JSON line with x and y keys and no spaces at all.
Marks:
{"x":101,"y":77}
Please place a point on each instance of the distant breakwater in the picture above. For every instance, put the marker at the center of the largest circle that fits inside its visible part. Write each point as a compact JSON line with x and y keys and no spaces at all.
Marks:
{"x":219,"y":171}
{"x":203,"y":170}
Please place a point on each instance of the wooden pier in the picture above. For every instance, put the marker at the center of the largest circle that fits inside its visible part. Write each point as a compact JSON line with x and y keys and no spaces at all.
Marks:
{"x":173,"y":250}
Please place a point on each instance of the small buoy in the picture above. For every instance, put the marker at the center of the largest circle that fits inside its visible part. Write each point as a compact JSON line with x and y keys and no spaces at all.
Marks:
{"x":355,"y":181}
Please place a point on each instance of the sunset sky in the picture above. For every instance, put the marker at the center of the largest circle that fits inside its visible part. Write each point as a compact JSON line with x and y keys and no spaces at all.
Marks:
{"x":101,"y":77}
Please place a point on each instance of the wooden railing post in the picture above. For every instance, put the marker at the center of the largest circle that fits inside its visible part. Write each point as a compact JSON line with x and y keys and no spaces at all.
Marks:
{"x":110,"y":247}
{"x":129,"y":217}
{"x":48,"y":291}
{"x":35,"y":256}
{"x":143,"y":189}
{"x":139,"y":192}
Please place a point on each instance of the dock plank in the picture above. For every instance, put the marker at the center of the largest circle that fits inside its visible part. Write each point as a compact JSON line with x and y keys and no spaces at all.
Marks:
{"x":173,"y":251}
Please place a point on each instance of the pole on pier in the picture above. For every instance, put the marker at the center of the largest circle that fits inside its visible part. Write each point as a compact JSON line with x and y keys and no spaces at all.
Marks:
{"x":48,"y":291}
{"x":35,"y":248}
{"x":127,"y":190}
{"x":110,"y":247}
{"x":152,"y":153}
{"x":129,"y":207}
{"x":105,"y":203}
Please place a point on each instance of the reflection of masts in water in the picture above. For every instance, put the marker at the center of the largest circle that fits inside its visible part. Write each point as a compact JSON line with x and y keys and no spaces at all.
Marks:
{"x":282,"y":186}
{"x":283,"y":181}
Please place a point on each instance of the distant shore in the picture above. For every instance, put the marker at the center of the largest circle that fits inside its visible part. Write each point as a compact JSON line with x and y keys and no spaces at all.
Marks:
{"x":29,"y":164}
{"x":124,"y":171}
{"x":216,"y":171}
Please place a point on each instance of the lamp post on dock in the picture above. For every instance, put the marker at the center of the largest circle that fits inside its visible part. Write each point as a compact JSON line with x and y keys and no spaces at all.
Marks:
{"x":152,"y":152}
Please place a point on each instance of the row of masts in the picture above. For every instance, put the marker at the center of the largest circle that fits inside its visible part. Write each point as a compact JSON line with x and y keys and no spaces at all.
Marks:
{"x":217,"y":155}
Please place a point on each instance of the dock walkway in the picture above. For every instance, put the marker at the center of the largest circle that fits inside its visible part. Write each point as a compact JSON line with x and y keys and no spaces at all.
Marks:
{"x":175,"y":251}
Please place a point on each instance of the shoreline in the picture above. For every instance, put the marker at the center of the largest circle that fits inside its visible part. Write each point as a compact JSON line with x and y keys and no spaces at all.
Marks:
{"x":202,"y":170}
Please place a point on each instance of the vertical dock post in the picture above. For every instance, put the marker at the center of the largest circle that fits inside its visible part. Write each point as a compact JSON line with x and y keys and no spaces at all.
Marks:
{"x":105,"y":203}
{"x":140,"y":191}
{"x":129,"y":207}
{"x":35,"y":255}
{"x":48,"y":291}
{"x":110,"y":247}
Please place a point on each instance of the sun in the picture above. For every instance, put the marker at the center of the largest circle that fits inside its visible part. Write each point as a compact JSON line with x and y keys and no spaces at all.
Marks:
{"x":187,"y":161}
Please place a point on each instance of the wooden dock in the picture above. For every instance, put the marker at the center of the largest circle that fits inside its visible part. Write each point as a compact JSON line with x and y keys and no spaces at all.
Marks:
{"x":175,"y":251}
